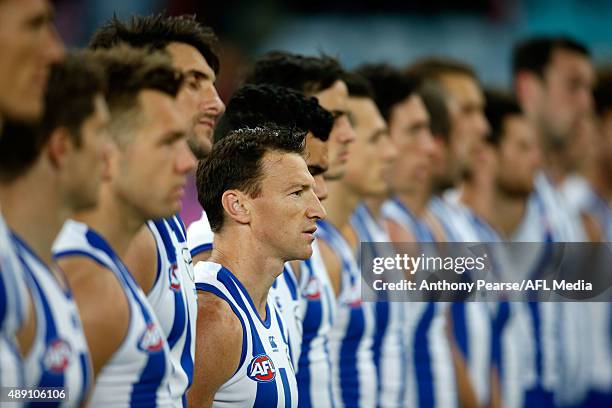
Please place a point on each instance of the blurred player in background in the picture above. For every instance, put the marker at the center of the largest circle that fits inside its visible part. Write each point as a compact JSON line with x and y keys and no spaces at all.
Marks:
{"x":159,"y":257}
{"x":61,"y":163}
{"x":129,"y":351}
{"x":28,"y":44}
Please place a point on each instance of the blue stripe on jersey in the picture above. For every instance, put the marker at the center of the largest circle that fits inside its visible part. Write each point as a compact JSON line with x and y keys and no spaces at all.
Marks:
{"x":206,"y":287}
{"x":163,"y":232}
{"x":283,"y":374}
{"x":201,"y":248}
{"x":158,"y":272}
{"x":537,"y":334}
{"x":3,"y":299}
{"x":186,"y":360}
{"x":349,"y":374}
{"x":422,"y":363}
{"x":232,"y":284}
{"x":47,"y":378}
{"x":381,"y":309}
{"x":499,"y":323}
{"x":145,"y":390}
{"x":86,"y":370}
{"x":460,"y":326}
{"x":177,"y":225}
{"x":291,"y":284}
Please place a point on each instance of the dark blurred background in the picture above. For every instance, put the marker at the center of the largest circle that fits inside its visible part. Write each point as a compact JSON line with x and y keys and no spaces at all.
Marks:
{"x":479,"y":32}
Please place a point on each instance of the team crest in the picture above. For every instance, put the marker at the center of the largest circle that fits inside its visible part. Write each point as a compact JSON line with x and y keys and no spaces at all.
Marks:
{"x":313,"y":289}
{"x":57,"y":356}
{"x":261,"y":369}
{"x":175,"y":282}
{"x":151,"y":340}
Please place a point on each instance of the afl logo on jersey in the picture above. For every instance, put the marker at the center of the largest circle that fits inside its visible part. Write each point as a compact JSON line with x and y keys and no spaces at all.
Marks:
{"x":313,"y":289}
{"x":175,"y":282}
{"x":57,"y":356}
{"x":261,"y":369}
{"x":151,"y":340}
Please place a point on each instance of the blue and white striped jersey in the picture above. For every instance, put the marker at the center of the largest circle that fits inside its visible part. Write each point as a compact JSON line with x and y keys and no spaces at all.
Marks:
{"x":59,"y":356}
{"x":14,"y":309}
{"x":318,"y":311}
{"x":285,"y":292}
{"x":351,"y":341}
{"x":431,"y":377}
{"x":174,"y":301}
{"x":137,"y":374}
{"x":199,"y":236}
{"x":389,"y":347}
{"x":265,"y":377}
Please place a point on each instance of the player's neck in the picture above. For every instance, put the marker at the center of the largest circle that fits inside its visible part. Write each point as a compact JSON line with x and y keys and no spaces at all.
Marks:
{"x":601,"y":184}
{"x":477,"y":194}
{"x":374,"y":205}
{"x":36,"y":224}
{"x":340,"y":204}
{"x":243,"y":255}
{"x":415,"y":202}
{"x":555,"y":169}
{"x":114,"y":219}
{"x":509,"y":212}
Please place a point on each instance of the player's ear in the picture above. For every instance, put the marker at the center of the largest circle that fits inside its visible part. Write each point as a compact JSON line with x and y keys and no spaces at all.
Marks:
{"x":528,"y":87}
{"x":59,"y":146}
{"x":235,"y":204}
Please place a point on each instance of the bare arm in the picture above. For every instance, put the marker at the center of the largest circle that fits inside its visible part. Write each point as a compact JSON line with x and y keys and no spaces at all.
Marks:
{"x":218,"y":349}
{"x":102,"y":304}
{"x":141,"y":259}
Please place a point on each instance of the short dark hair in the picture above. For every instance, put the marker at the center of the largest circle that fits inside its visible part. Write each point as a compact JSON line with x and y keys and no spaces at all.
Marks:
{"x":256,"y":105}
{"x":390,"y":86}
{"x":435,"y":100}
{"x":534,"y":54}
{"x":434,"y":68}
{"x":68,"y":102}
{"x":129,"y":71}
{"x":156,"y":31}
{"x":499,"y":106}
{"x":235,"y":163}
{"x":303,"y":73}
{"x":358,"y":86}
{"x":603,"y":90}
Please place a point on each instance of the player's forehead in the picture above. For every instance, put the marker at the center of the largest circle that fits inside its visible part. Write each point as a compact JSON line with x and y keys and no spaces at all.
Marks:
{"x":281,"y":169}
{"x":333,"y":98}
{"x":159,"y":110}
{"x":463,"y":88}
{"x":187,"y":59}
{"x":365,"y":114}
{"x":19,"y":10}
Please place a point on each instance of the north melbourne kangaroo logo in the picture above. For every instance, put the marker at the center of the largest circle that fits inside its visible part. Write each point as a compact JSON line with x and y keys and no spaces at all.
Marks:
{"x":261,"y":369}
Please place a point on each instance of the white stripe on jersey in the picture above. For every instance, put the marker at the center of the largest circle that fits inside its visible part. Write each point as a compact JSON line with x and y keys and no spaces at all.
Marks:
{"x":174,"y":301}
{"x":14,"y":309}
{"x":59,"y":356}
{"x":464,"y":226}
{"x":199,"y":236}
{"x":431,"y":379}
{"x":389,"y":349}
{"x":265,"y":376}
{"x":285,"y":293}
{"x":318,"y":308}
{"x":352,"y":335}
{"x":138,"y":372}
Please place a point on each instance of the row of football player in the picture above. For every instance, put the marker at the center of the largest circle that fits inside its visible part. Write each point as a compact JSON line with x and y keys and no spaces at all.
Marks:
{"x":255,"y":230}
